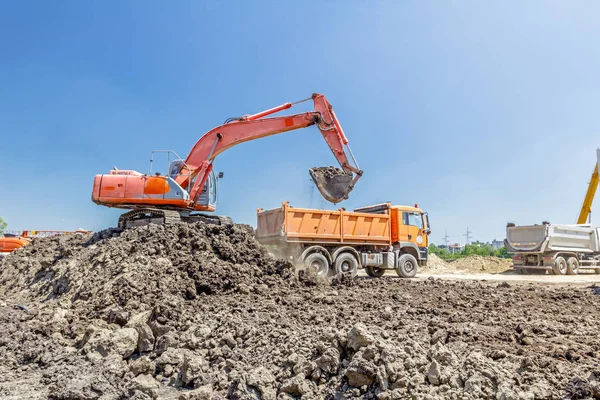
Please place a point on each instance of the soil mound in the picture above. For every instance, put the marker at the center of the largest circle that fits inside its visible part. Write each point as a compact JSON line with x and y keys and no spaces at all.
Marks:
{"x":434,"y":262}
{"x":142,"y":266}
{"x":475,"y":263}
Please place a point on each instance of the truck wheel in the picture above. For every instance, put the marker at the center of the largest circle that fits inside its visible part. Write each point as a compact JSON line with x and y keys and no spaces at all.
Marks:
{"x":346,"y":263}
{"x":407,"y":266}
{"x":560,"y":266}
{"x":375,"y":272}
{"x":572,"y":266}
{"x":318,"y":262}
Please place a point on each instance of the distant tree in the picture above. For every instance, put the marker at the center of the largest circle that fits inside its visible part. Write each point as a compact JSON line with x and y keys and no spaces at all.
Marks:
{"x":439,"y":251}
{"x":502,"y":253}
{"x":3,"y":225}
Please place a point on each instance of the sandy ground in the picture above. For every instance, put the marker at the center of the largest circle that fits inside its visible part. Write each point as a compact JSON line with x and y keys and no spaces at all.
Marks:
{"x":509,"y":276}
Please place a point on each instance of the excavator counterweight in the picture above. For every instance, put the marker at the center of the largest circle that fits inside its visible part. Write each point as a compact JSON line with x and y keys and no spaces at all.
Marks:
{"x":190,"y":185}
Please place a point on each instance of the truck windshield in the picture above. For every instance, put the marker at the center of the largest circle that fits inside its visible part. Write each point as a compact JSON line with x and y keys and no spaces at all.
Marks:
{"x":413,"y":219}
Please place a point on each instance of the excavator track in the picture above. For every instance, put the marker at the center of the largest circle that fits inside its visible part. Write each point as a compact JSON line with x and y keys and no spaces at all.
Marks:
{"x":145,"y":216}
{"x":208,"y":219}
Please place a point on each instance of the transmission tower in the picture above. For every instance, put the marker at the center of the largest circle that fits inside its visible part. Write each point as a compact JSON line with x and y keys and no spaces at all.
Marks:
{"x":468,"y":236}
{"x":446,"y":239}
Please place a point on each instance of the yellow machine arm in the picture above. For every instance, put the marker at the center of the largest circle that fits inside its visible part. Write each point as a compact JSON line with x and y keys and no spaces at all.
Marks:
{"x":586,"y":207}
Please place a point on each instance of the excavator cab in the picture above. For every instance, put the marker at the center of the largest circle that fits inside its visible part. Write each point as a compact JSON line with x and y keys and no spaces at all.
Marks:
{"x":209,"y":195}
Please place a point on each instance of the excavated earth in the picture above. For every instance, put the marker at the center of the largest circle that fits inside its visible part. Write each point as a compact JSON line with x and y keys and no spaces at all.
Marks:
{"x":203,"y":312}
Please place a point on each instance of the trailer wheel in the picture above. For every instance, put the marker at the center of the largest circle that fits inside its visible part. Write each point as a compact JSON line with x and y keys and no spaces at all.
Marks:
{"x":407,"y":266}
{"x":375,"y":272}
{"x":560,"y":266}
{"x":318,"y":262}
{"x":346,"y":263}
{"x":572,"y":266}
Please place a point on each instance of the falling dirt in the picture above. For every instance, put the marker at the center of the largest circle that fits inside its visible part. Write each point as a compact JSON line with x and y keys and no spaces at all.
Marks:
{"x":203,"y":312}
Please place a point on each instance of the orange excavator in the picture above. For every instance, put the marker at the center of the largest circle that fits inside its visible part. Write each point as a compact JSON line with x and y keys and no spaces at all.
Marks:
{"x":190,"y":187}
{"x":14,"y":240}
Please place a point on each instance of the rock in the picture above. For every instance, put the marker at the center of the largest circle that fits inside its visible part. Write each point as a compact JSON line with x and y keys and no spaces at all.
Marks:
{"x":329,"y":360}
{"x":143,"y":365}
{"x":164,"y":342}
{"x":359,"y":337}
{"x":171,"y":356}
{"x":441,"y":335}
{"x":195,"y":336}
{"x":201,"y":393}
{"x":441,"y":354}
{"x":264,"y":381}
{"x":118,"y":317}
{"x":304,"y":367}
{"x":105,"y":341}
{"x":296,"y":386}
{"x":145,"y":335}
{"x":192,"y":368}
{"x":433,"y":374}
{"x":360,"y":372}
{"x":146,"y":384}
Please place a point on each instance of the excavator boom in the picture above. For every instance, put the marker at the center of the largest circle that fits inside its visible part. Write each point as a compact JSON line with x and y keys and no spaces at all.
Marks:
{"x":182,"y":189}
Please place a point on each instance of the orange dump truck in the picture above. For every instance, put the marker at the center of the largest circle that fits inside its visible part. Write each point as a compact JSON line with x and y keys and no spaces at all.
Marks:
{"x":377,"y":238}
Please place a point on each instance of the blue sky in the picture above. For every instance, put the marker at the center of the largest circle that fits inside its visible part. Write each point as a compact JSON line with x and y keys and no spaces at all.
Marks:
{"x":480,"y":112}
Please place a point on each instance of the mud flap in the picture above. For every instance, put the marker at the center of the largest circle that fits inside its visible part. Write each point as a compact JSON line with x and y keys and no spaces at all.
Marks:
{"x":334,"y":186}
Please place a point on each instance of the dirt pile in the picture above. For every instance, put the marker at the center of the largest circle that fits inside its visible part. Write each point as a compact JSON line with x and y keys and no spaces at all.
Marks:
{"x":475,"y":264}
{"x":434,"y":263}
{"x":102,"y":318}
{"x":142,"y":266}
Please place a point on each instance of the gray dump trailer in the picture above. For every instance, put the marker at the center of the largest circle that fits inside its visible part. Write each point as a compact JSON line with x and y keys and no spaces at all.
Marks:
{"x":559,"y":249}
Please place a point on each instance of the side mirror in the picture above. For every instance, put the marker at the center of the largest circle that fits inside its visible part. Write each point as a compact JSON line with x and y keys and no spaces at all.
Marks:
{"x":221,"y":175}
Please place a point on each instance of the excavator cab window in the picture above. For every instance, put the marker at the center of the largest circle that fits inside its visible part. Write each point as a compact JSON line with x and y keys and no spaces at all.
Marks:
{"x":210,"y":191}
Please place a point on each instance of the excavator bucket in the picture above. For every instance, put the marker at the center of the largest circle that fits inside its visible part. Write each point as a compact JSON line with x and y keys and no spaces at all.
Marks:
{"x":333,"y":183}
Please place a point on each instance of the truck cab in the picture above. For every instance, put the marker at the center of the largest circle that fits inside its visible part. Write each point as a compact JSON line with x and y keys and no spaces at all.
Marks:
{"x":410,"y":227}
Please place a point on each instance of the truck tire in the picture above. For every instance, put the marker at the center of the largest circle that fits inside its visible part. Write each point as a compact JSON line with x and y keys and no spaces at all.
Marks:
{"x":407,"y":266}
{"x":560,"y":266}
{"x":375,"y":272}
{"x":346,"y":263}
{"x":572,"y":266}
{"x":318,"y":262}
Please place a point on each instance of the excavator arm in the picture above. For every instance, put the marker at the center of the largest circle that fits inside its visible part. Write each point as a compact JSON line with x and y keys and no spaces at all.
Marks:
{"x":196,"y":168}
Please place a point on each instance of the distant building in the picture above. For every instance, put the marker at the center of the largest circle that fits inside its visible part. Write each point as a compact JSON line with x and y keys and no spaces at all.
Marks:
{"x":497,"y":244}
{"x":455,"y":248}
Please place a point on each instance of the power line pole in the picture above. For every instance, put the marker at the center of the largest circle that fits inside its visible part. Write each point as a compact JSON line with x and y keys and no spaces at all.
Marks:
{"x":468,"y":236}
{"x":446,"y":239}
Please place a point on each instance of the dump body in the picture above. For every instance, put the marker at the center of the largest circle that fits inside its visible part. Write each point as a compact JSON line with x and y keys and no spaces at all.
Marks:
{"x":552,"y":246}
{"x":376,"y":237}
{"x":547,"y":237}
{"x":321,"y":226}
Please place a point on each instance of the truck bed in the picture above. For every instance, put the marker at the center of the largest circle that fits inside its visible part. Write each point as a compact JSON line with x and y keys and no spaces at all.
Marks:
{"x":550,"y":237}
{"x":291,"y":224}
